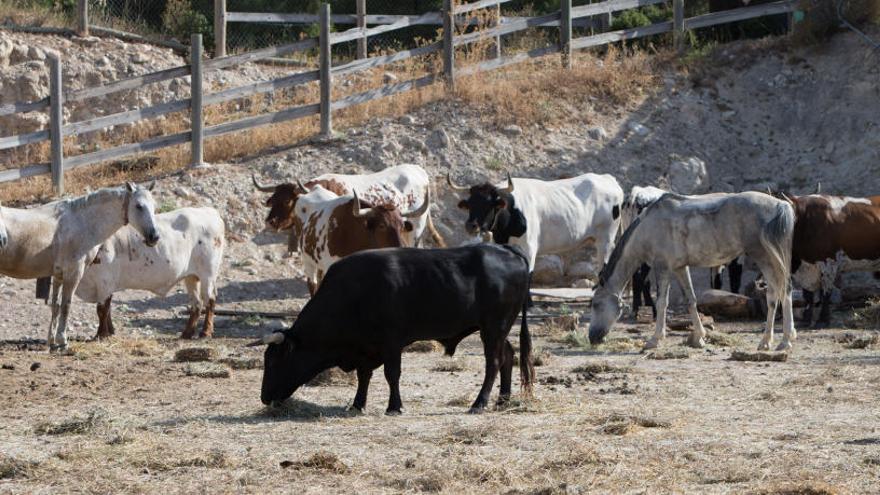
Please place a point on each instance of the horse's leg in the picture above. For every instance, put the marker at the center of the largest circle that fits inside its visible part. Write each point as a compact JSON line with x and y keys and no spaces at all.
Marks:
{"x":662,"y":304}
{"x":789,"y":333}
{"x":71,"y":281}
{"x":699,"y":333}
{"x":195,"y":307}
{"x":646,"y":287}
{"x":56,"y":286}
{"x":209,"y":294}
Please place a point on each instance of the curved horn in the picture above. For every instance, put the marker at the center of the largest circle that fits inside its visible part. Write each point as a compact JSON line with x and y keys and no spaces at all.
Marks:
{"x":509,"y":188}
{"x":272,"y":338}
{"x":356,"y":209}
{"x":818,"y":188}
{"x":302,"y":187}
{"x":786,"y":198}
{"x":261,"y":187}
{"x":421,"y":209}
{"x":453,"y":185}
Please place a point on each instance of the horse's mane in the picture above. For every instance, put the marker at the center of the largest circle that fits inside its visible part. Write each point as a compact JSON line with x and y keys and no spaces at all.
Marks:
{"x":83,"y":201}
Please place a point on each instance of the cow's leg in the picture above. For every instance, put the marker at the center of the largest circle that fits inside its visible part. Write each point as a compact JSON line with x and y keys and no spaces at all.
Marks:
{"x":104,"y":322}
{"x":830,"y":271}
{"x":364,"y":375}
{"x":698,"y":333}
{"x":662,"y":304}
{"x":492,"y":350}
{"x":391,"y":366}
{"x":68,"y":287}
{"x":107,"y":307}
{"x":807,"y":316}
{"x":636,"y":292}
{"x":209,"y":294}
{"x":50,"y":339}
{"x":195,"y":307}
{"x":824,"y":319}
{"x":506,"y":373}
{"x":735,"y":272}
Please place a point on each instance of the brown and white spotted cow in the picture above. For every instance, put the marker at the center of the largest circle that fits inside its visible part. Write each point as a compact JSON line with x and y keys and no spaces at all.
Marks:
{"x":833,"y":234}
{"x":331,"y":227}
{"x":402,"y":186}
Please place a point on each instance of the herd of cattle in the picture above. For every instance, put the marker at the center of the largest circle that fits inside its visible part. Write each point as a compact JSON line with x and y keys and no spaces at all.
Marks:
{"x":368,"y":303}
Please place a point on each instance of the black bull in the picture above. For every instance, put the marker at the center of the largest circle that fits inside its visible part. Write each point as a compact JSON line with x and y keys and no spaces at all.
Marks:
{"x":372,"y":304}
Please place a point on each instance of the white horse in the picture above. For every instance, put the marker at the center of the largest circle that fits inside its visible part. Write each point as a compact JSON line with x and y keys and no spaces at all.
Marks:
{"x":677,"y":232}
{"x":191,"y":250}
{"x":61,"y":238}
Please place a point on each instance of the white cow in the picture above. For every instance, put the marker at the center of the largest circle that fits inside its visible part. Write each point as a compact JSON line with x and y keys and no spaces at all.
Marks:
{"x":547,"y":217}
{"x":191,"y":250}
{"x":402,"y":186}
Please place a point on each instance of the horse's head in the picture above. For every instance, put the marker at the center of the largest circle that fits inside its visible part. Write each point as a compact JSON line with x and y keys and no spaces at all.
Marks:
{"x":4,"y":236}
{"x":141,"y":212}
{"x":605,"y":310}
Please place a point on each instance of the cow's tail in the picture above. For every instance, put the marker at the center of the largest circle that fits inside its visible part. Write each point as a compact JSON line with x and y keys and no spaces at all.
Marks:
{"x":438,"y":239}
{"x":776,"y":237}
{"x":526,"y":367}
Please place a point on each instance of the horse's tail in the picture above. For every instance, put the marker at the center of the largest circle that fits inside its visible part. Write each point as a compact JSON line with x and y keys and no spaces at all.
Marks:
{"x":777,"y":236}
{"x":526,"y":367}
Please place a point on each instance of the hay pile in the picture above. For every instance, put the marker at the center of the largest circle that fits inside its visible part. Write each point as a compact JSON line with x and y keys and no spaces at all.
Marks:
{"x":195,"y":354}
{"x":759,"y":356}
{"x":319,"y":461}
{"x":208,"y":370}
{"x":424,"y":346}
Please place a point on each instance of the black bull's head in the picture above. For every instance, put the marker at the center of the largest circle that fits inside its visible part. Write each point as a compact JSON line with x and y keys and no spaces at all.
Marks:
{"x":491,"y":209}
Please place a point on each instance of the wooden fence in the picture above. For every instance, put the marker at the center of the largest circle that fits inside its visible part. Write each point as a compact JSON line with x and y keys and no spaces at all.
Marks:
{"x":563,"y":20}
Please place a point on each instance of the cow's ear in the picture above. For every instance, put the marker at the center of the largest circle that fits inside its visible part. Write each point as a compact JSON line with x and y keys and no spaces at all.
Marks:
{"x":408,"y":226}
{"x":269,"y":203}
{"x":501,"y":203}
{"x":463,"y":205}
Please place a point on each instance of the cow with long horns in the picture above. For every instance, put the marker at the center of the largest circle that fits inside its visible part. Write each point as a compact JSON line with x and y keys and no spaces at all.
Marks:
{"x":546,"y":217}
{"x":333,"y":227}
{"x":374,"y":303}
{"x":401,"y":185}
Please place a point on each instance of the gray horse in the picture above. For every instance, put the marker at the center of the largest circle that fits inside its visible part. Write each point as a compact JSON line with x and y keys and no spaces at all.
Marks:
{"x":677,"y":232}
{"x":4,"y":235}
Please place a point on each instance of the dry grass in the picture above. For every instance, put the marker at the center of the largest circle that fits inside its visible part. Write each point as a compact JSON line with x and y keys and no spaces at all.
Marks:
{"x":449,"y":365}
{"x":94,"y":419}
{"x":722,"y":339}
{"x":424,"y":346}
{"x":679,"y":353}
{"x":195,"y":354}
{"x":759,"y":356}
{"x":207,"y":370}
{"x":800,"y":488}
{"x":319,"y":461}
{"x":854,"y":341}
{"x":333,"y":377}
{"x":622,"y":424}
{"x":242,"y":363}
{"x":11,"y":468}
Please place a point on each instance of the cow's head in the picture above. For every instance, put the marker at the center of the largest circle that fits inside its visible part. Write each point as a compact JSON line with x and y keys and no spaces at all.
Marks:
{"x":385,"y":223}
{"x":605,"y":310}
{"x":4,"y":235}
{"x":140,"y":211}
{"x":491,"y":209}
{"x":281,"y":203}
{"x":286,"y":366}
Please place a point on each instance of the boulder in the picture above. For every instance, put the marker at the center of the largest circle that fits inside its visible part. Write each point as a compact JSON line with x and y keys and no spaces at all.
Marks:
{"x":512,"y":130}
{"x":598,"y":133}
{"x":548,"y":269}
{"x":724,"y":304}
{"x":688,"y":176}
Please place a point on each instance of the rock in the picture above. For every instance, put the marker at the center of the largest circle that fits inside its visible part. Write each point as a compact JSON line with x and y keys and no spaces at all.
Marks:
{"x":581,"y":269}
{"x":392,"y":147}
{"x":598,"y":133}
{"x":35,"y":53}
{"x":389,"y":78}
{"x":724,"y":304}
{"x":139,"y":58}
{"x":408,"y":120}
{"x":548,"y":269}
{"x":414,"y":143}
{"x":512,"y":130}
{"x":439,"y":139}
{"x":638,"y":129}
{"x":87,"y":40}
{"x":688,"y":176}
{"x":18,"y":54}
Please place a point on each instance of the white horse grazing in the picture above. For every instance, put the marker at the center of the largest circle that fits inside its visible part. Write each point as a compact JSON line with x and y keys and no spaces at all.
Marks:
{"x":4,"y":236}
{"x":677,"y":232}
{"x":61,"y":238}
{"x":191,"y":250}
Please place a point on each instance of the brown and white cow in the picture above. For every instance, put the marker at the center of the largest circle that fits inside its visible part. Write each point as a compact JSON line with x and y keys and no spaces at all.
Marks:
{"x":329,"y":227}
{"x":402,"y":186}
{"x":833,"y":234}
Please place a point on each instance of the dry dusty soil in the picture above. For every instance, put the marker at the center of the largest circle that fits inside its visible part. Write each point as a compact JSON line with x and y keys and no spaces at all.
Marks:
{"x":124,"y":416}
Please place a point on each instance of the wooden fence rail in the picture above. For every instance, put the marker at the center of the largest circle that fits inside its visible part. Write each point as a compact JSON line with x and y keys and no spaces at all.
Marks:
{"x":451,"y":16}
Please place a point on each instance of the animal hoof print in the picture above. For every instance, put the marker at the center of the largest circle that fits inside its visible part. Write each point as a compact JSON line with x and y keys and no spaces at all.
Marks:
{"x":393,"y":412}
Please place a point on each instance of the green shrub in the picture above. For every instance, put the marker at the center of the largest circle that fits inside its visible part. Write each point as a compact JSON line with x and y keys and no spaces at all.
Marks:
{"x":820,"y":17}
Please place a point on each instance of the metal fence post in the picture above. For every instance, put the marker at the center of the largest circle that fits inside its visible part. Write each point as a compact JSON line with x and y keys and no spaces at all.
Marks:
{"x":448,"y":45}
{"x":56,"y":122}
{"x":362,"y":23}
{"x":565,"y":33}
{"x":82,"y":17}
{"x":219,"y":28}
{"x":326,"y":78}
{"x":197,"y":118}
{"x":678,"y":24}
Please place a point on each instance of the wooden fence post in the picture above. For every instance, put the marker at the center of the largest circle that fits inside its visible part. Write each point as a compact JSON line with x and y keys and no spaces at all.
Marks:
{"x":678,"y":24}
{"x":219,"y":28}
{"x":495,"y":23}
{"x":82,"y":17}
{"x":448,"y":46}
{"x":565,"y":33}
{"x":56,"y":122}
{"x":362,"y":23}
{"x":326,"y":78}
{"x":197,"y":118}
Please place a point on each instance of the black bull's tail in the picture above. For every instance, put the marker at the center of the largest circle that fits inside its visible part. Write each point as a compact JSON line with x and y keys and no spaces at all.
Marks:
{"x":526,"y":367}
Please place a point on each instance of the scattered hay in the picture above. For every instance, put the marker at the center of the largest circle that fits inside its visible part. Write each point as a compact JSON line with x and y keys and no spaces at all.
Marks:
{"x":474,"y":435}
{"x":611,"y":345}
{"x":855,"y":341}
{"x":460,"y":401}
{"x":449,"y":366}
{"x":214,"y":459}
{"x":576,"y":339}
{"x":424,"y":346}
{"x":759,"y":356}
{"x":575,"y":458}
{"x":669,"y":354}
{"x":722,"y":339}
{"x":242,"y":363}
{"x":195,"y":354}
{"x":431,"y":484}
{"x":208,"y":370}
{"x":620,"y":424}
{"x":94,"y":419}
{"x":333,"y":377}
{"x":11,"y":468}
{"x":800,"y":488}
{"x":560,"y":325}
{"x":591,"y":371}
{"x":319,"y":461}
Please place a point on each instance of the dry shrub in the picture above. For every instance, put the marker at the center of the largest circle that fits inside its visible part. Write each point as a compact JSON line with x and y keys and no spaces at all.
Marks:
{"x":207,"y":370}
{"x":424,"y":346}
{"x":799,"y":488}
{"x":722,"y":339}
{"x":867,"y":317}
{"x":195,"y":354}
{"x":319,"y":461}
{"x":333,"y":377}
{"x":821,"y":18}
{"x":94,"y":419}
{"x":669,"y":354}
{"x":242,"y":363}
{"x":449,"y":366}
{"x":760,"y":356}
{"x":11,"y":468}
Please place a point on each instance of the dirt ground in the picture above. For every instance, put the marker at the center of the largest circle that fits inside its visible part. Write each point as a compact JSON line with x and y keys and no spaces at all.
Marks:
{"x":124,"y":416}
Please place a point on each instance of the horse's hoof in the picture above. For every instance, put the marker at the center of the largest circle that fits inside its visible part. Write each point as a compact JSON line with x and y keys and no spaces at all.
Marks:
{"x":651,"y":344}
{"x":393,"y":412}
{"x":764,"y":346}
{"x":784,"y":346}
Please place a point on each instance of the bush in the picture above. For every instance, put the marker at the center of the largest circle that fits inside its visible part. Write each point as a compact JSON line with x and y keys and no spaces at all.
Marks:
{"x":821,"y":20}
{"x":180,"y":20}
